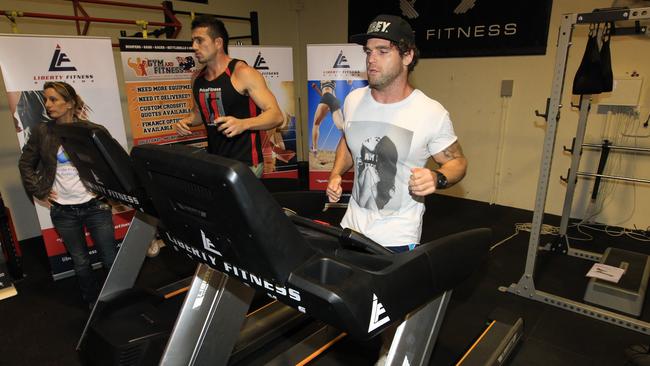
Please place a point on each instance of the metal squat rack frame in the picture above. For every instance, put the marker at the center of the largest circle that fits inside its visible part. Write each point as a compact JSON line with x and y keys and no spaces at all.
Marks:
{"x":526,"y":285}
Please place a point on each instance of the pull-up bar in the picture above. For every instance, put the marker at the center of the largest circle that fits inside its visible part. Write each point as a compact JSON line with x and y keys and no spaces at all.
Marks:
{"x":80,"y":15}
{"x":618,"y":147}
{"x":614,"y":177}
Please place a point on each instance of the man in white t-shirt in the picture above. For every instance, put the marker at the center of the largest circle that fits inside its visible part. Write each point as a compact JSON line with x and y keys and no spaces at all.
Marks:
{"x":391,"y":129}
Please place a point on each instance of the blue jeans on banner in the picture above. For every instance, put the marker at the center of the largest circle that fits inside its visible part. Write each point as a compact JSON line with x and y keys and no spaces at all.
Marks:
{"x":69,"y":221}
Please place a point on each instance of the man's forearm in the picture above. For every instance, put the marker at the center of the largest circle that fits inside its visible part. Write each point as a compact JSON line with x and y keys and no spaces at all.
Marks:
{"x":265,"y":121}
{"x":343,"y":159}
{"x":194,"y":119}
{"x":453,"y":163}
{"x":454,"y":170}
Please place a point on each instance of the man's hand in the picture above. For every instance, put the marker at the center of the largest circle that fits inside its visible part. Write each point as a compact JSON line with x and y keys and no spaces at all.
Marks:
{"x":230,"y":126}
{"x":422,"y":182}
{"x":334,"y":189}
{"x":183,"y":126}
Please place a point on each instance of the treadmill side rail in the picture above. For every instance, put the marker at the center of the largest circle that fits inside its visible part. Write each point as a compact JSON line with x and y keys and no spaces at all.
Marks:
{"x":212,"y":314}
{"x":416,"y":336}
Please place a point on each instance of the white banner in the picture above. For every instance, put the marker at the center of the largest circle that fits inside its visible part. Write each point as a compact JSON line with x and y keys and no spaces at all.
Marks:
{"x":86,"y":63}
{"x":333,"y":70}
{"x":336,"y":61}
{"x":278,"y":145}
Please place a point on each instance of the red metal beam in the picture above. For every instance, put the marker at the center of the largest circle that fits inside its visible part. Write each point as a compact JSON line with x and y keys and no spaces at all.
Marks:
{"x":77,"y":8}
{"x":91,"y":19}
{"x":120,"y":3}
{"x":176,"y":24}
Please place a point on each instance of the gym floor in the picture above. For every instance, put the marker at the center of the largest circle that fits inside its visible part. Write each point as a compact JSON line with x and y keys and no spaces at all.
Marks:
{"x":41,"y":325}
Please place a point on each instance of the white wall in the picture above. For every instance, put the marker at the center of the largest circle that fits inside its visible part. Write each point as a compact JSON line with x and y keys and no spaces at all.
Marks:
{"x":468,"y":87}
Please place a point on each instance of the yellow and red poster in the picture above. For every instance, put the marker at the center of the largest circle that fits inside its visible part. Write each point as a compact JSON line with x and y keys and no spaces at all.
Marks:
{"x":158,"y":76}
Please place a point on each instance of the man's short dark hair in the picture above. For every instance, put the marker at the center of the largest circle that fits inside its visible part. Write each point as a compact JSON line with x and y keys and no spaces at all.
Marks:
{"x":216,"y":28}
{"x":404,"y":47}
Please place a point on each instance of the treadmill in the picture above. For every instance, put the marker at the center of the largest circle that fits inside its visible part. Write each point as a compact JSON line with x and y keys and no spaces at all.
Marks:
{"x":105,"y":166}
{"x":217,"y":212}
{"x":106,"y":169}
{"x":128,"y":325}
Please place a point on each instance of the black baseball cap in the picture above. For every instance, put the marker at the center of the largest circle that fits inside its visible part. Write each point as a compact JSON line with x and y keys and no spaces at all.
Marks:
{"x":390,"y":27}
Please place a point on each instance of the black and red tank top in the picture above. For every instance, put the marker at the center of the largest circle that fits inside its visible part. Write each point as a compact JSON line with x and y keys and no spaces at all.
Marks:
{"x":218,"y":97}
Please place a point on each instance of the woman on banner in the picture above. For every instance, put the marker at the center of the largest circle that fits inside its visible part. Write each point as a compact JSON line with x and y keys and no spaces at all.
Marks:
{"x":50,"y":178}
{"x":328,"y":103}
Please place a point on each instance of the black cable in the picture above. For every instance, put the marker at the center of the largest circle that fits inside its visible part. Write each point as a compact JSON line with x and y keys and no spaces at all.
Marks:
{"x":637,"y":352}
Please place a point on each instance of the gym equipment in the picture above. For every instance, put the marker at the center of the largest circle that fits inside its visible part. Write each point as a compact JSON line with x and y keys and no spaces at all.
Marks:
{"x":215,"y":210}
{"x":525,"y":287}
{"x":9,"y":255}
{"x":7,"y":288}
{"x":9,"y":242}
{"x":495,"y":345}
{"x":326,"y":286}
{"x":106,"y":169}
{"x":628,"y":294}
{"x":132,"y":325}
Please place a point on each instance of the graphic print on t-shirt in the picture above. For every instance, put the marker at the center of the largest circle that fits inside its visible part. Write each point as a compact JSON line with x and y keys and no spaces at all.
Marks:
{"x":380,"y":150}
{"x":61,"y":156}
{"x":67,"y":184}
{"x":64,"y":168}
{"x":211,"y":104}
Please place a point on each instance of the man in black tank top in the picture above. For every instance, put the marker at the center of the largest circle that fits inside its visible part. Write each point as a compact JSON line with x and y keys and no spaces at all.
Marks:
{"x":230,"y":98}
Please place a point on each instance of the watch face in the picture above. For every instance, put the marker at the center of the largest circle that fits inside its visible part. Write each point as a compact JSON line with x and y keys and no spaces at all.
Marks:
{"x":441,"y":181}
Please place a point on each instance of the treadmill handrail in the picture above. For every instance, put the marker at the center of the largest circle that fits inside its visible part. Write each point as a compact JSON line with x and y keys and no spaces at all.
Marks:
{"x":346,"y":236}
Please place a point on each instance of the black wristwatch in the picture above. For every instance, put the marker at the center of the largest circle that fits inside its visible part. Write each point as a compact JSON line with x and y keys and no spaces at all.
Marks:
{"x":441,"y":180}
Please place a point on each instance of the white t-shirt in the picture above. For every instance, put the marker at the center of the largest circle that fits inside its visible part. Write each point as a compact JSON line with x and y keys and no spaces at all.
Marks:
{"x":386,"y":141}
{"x":67,"y":185}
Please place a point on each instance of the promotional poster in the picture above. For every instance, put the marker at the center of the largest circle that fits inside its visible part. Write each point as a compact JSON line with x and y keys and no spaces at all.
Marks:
{"x":158,"y":77}
{"x":333,"y":71}
{"x":85,"y":63}
{"x":278,"y":144}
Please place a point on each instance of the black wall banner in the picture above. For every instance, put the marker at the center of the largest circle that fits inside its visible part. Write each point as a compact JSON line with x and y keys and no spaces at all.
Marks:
{"x":460,"y":28}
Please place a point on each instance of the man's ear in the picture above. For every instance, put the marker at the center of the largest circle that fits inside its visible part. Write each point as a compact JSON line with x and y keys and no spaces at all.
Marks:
{"x":218,"y":42}
{"x":408,"y":57}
